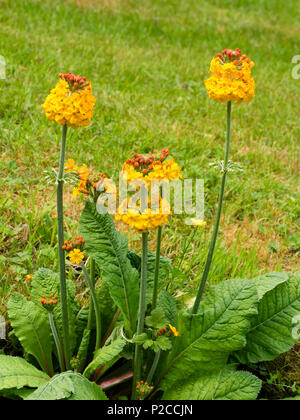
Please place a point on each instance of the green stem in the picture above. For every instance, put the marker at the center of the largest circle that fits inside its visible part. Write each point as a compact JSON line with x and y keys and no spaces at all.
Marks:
{"x":157,"y":263}
{"x":153,"y":367}
{"x":57,"y":343}
{"x":91,"y":308}
{"x":95,"y":304}
{"x":61,"y":254}
{"x":217,"y":222}
{"x":138,"y":359}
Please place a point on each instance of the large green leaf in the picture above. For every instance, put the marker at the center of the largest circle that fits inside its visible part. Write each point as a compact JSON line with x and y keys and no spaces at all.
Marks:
{"x":226,"y":384}
{"x":46,"y":282}
{"x":68,"y":386}
{"x":167,"y":304}
{"x":16,"y":373}
{"x":109,"y":249}
{"x":207,"y":338}
{"x":268,"y":282}
{"x":271,"y":330}
{"x":31,"y":326}
{"x":105,"y":357}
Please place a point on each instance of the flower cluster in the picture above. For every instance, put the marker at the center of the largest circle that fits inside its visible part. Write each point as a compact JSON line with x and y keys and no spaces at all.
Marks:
{"x":76,"y":256}
{"x":76,"y":242}
{"x":29,"y":277}
{"x":143,"y":389}
{"x":152,"y":166}
{"x":89,"y":182}
{"x":50,"y":302}
{"x":71,"y":102}
{"x":143,"y":220}
{"x":231,"y":78}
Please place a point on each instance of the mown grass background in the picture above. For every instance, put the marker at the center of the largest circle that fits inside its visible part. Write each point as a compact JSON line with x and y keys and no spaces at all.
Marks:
{"x":147,"y":60}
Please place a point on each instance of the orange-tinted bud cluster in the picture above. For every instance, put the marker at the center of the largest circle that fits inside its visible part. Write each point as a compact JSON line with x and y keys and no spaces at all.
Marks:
{"x":144,"y":163}
{"x":143,"y":389}
{"x":95,"y":178}
{"x":162,"y":331}
{"x":75,"y":82}
{"x":236,"y":56}
{"x":49,"y":302}
{"x":77,"y":242}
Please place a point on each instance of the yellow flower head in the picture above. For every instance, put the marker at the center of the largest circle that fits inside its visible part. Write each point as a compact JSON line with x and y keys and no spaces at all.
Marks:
{"x":29,"y":277}
{"x":76,"y":256}
{"x":230,"y":78}
{"x":70,"y":166}
{"x":174,"y":331}
{"x":71,"y":102}
{"x":152,"y":166}
{"x":143,"y":220}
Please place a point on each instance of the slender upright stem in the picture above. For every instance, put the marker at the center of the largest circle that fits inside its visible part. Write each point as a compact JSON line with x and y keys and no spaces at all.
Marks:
{"x":91,"y":307}
{"x":153,"y":367}
{"x":217,"y":222}
{"x":157,"y":263}
{"x":95,"y":304}
{"x":57,"y":343}
{"x":61,"y":254}
{"x":138,"y":359}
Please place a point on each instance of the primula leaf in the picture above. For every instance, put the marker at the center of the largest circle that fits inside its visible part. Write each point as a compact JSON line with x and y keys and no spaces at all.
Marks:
{"x":68,"y":386}
{"x":268,"y":282}
{"x":45,"y":282}
{"x":164,"y":343}
{"x":31,"y":326}
{"x":109,"y":249}
{"x":157,"y":319}
{"x":105,"y":357}
{"x":207,"y":338}
{"x":16,"y":373}
{"x":167,"y":304}
{"x":271,"y":330}
{"x":225,"y":384}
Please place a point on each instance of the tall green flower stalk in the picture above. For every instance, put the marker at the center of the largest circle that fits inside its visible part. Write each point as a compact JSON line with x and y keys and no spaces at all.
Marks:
{"x":95,"y":305}
{"x":157,"y":264}
{"x":219,"y":211}
{"x":138,"y":359}
{"x":57,"y":342}
{"x":61,"y":255}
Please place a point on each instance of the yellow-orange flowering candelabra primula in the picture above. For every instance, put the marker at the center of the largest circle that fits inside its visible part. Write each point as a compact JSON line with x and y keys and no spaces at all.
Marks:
{"x":88,"y":181}
{"x":230,"y":78}
{"x":143,"y":220}
{"x":153,"y":166}
{"x":71,"y":102}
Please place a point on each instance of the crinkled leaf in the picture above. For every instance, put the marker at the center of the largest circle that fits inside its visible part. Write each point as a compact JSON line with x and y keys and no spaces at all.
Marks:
{"x":109,"y":249}
{"x":164,"y":343}
{"x":157,"y":319}
{"x":68,"y":386}
{"x":16,"y":373}
{"x":167,"y":303}
{"x":269,"y":281}
{"x":271,"y":330}
{"x":207,"y":338}
{"x":105,"y":357}
{"x":46,"y":282}
{"x":31,"y":326}
{"x":226,"y":384}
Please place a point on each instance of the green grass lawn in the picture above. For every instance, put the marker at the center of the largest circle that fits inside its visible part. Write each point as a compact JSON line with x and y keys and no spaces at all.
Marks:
{"x":147,"y":61}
